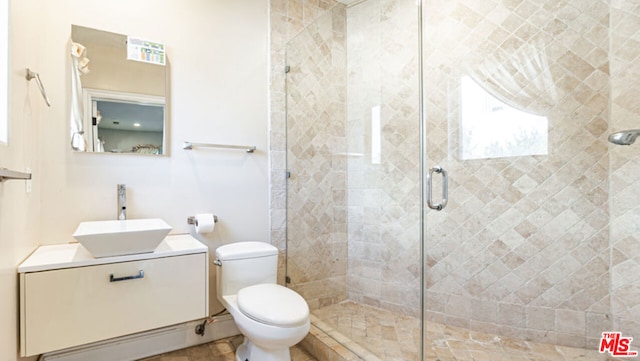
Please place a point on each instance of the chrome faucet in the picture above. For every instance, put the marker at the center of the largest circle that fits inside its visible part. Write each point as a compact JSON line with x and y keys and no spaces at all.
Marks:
{"x":122,"y":202}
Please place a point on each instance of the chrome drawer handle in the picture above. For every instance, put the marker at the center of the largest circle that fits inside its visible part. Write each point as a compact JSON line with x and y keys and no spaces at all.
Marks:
{"x":117,"y":279}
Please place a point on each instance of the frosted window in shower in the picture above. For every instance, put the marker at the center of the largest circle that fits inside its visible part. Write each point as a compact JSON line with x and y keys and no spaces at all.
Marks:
{"x":492,"y":129}
{"x":4,"y":68}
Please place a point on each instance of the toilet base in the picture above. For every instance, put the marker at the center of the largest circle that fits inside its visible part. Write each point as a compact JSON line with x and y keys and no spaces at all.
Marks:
{"x":248,"y":351}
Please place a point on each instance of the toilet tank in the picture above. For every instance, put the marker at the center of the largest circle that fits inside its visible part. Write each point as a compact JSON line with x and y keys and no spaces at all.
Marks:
{"x":245,"y":264}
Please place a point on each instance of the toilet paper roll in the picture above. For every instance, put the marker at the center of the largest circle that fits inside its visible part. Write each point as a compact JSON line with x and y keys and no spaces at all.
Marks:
{"x":204,"y":223}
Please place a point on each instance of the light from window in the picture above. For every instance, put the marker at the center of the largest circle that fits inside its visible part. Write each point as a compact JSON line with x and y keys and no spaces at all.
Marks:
{"x":493,"y":129}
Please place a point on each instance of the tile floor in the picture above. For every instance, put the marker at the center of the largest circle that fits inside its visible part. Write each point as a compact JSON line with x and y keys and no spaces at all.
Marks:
{"x":372,"y":334}
{"x":221,"y":350}
{"x":393,"y":337}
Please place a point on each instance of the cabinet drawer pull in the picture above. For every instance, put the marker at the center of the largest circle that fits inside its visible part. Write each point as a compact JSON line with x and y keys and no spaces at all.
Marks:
{"x":117,"y":279}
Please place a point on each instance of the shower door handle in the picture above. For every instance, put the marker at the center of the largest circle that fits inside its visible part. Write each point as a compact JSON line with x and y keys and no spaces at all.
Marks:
{"x":445,"y":188}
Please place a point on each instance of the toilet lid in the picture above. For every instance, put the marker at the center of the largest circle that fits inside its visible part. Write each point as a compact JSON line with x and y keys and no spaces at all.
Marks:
{"x":273,"y":304}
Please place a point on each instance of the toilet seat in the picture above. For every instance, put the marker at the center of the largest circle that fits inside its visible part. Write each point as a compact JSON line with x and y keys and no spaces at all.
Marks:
{"x":273,"y":304}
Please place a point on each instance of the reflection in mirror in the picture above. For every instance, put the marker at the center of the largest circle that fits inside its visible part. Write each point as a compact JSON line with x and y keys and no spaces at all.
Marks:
{"x":111,"y":90}
{"x":126,"y":123}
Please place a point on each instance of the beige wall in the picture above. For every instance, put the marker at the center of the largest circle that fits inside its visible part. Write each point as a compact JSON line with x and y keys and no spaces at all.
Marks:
{"x":20,"y":212}
{"x":218,"y":81}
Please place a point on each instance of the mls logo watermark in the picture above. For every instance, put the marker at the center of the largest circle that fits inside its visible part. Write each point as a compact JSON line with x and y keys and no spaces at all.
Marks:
{"x":617,"y":345}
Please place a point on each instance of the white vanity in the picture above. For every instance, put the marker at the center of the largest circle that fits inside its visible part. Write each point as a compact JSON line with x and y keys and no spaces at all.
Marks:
{"x":69,"y":298}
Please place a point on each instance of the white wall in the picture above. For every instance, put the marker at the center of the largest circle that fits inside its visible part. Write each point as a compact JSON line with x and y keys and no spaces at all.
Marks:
{"x":19,"y":211}
{"x":217,"y":50}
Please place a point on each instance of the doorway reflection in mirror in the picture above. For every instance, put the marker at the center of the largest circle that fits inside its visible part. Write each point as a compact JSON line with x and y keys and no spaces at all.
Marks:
{"x":129,"y":127}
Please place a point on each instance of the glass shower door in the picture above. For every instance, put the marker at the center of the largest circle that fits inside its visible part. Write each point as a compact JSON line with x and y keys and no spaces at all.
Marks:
{"x":354,"y":191}
{"x":516,"y":98}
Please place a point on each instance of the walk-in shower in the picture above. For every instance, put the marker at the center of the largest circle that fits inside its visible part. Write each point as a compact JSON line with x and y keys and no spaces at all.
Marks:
{"x":536,"y":253}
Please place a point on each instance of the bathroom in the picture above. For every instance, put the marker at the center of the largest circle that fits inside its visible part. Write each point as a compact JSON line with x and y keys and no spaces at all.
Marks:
{"x":226,"y":62}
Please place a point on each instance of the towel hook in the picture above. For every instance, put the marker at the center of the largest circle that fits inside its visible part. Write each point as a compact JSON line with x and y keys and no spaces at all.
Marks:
{"x":34,"y":75}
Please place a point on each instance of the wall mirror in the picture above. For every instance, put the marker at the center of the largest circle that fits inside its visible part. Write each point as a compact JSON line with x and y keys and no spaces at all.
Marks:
{"x":118,"y":98}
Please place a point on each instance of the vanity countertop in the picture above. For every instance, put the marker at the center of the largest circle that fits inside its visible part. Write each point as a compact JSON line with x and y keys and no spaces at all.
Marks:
{"x":70,"y":255}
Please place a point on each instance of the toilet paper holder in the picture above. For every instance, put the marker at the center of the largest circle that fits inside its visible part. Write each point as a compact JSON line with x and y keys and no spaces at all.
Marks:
{"x":192,"y":219}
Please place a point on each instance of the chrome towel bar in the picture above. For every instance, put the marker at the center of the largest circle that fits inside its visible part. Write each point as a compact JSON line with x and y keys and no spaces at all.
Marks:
{"x":190,"y":145}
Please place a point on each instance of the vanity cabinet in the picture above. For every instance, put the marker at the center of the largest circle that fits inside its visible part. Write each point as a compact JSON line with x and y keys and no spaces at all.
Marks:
{"x":68,"y":298}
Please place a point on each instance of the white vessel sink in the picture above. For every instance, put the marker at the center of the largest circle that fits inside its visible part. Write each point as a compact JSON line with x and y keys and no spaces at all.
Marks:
{"x":118,"y":238}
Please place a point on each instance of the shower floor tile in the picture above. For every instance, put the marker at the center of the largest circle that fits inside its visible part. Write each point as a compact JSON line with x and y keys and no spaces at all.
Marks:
{"x":375,"y":334}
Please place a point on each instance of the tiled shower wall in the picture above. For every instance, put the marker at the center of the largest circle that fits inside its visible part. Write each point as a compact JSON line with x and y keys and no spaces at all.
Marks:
{"x":527,"y":246}
{"x":384,"y":160}
{"x":317,"y":257}
{"x":380,"y":205}
{"x":625,"y":168}
{"x":316,"y":148}
{"x":523,"y":247}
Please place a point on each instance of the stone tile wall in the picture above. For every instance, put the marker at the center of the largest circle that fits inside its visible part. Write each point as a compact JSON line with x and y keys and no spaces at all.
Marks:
{"x":523,"y":247}
{"x":625,"y":168}
{"x":316,"y":256}
{"x":384,"y":194}
{"x":379,"y":207}
{"x":316,"y":144}
{"x":287,"y":19}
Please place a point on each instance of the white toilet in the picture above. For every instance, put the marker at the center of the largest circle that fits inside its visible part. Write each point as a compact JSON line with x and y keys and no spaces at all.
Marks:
{"x":271,"y":317}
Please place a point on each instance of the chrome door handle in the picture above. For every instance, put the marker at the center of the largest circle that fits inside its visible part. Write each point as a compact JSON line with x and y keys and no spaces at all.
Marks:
{"x":117,"y":279}
{"x":445,"y":188}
